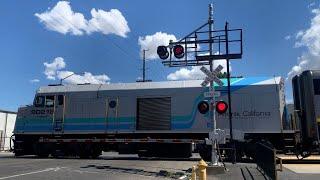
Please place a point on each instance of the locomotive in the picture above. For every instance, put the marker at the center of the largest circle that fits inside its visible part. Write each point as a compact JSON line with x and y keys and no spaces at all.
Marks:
{"x":158,"y":119}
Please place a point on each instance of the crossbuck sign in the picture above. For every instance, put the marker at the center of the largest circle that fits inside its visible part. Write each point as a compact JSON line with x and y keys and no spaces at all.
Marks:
{"x":211,"y":76}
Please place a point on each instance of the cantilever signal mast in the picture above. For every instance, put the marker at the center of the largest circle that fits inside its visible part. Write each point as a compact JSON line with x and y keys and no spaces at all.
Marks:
{"x":187,"y":53}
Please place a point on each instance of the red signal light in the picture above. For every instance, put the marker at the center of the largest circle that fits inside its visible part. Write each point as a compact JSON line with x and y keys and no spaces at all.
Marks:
{"x":178,"y":51}
{"x":221,"y":107}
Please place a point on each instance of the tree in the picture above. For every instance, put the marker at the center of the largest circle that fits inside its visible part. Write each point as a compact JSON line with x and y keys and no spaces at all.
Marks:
{"x":222,"y":75}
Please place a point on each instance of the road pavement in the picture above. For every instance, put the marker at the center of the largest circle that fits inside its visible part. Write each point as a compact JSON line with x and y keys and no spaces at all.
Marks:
{"x":109,"y":166}
{"x":129,"y":167}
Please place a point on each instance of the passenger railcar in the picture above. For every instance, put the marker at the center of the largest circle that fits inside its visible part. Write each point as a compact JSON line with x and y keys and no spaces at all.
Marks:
{"x":306,"y":93}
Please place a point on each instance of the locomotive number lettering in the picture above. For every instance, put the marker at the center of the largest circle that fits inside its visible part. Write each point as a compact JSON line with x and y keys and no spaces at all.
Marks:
{"x":42,"y":111}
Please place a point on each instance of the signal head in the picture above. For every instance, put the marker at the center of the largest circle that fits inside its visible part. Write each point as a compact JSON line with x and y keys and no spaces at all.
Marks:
{"x":203,"y":107}
{"x":178,"y":51}
{"x":162,"y":52}
{"x":221,"y":107}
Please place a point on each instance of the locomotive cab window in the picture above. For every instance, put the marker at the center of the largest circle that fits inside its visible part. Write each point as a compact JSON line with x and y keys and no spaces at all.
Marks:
{"x":60,"y":99}
{"x":39,"y":101}
{"x":49,"y":101}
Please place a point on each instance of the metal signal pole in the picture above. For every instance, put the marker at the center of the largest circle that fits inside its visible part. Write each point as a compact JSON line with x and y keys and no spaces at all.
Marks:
{"x":229,"y":94}
{"x":216,"y":39}
{"x":214,"y":157}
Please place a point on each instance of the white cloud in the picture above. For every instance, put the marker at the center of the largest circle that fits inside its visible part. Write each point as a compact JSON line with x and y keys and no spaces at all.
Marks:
{"x":54,"y":71}
{"x":63,"y":19}
{"x":195,"y":72}
{"x":86,"y":77}
{"x":186,"y":74}
{"x":310,"y":39}
{"x":52,"y":68}
{"x":151,"y":43}
{"x":288,"y":37}
{"x":299,"y":34}
{"x":311,"y":5}
{"x":111,"y":22}
{"x":34,"y":81}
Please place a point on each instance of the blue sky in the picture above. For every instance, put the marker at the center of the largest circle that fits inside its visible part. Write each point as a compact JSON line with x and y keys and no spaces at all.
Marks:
{"x":272,"y":43}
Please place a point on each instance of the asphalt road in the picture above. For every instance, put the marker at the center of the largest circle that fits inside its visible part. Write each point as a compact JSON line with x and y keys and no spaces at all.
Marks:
{"x":130,"y":167}
{"x":109,"y":166}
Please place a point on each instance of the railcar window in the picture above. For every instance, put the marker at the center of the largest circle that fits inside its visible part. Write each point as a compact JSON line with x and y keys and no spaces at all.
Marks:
{"x":60,"y":100}
{"x":39,"y":101}
{"x":316,"y":86}
{"x":49,"y":101}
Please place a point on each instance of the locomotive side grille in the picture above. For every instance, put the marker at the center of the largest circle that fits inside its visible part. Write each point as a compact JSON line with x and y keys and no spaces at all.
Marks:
{"x":154,"y":113}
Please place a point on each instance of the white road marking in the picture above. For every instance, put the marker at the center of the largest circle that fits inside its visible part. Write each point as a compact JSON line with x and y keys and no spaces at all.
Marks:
{"x":34,"y":172}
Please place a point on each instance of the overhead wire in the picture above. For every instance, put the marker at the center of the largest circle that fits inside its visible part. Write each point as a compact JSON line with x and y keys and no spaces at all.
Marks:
{"x":114,"y":43}
{"x":124,"y":51}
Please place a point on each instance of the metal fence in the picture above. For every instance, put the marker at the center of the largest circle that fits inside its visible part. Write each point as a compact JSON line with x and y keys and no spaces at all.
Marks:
{"x":266,"y":160}
{"x":5,"y":143}
{"x":1,"y":140}
{"x":7,"y":122}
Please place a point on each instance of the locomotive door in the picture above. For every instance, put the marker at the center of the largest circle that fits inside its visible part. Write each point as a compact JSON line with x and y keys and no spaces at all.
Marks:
{"x":112,"y":112}
{"x":58,"y":117}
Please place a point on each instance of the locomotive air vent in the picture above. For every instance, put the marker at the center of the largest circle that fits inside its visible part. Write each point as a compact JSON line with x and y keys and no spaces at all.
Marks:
{"x":154,"y":113}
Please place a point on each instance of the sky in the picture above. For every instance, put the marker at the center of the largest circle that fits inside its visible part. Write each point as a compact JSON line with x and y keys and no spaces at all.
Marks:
{"x":101,"y":41}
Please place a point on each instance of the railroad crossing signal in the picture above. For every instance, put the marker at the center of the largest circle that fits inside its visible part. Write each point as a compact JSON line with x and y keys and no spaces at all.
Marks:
{"x":211,"y":76}
{"x":221,"y":107}
{"x":203,"y":107}
{"x":178,"y":51}
{"x":217,"y":42}
{"x":162,"y":52}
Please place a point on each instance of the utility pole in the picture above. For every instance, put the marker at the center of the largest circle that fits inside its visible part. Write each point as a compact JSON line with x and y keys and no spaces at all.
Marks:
{"x":144,"y":67}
